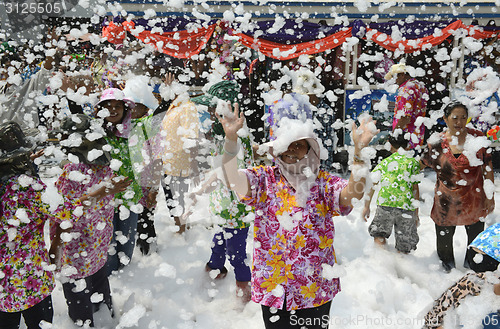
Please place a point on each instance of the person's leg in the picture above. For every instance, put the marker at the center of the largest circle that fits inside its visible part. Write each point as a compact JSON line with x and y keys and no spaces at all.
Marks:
{"x":381,"y":226}
{"x":42,"y":311}
{"x":171,"y":190}
{"x":405,"y":231}
{"x":309,"y":318}
{"x":472,"y":232}
{"x":218,"y":257}
{"x":444,"y":246}
{"x":146,"y":234}
{"x":236,"y":242}
{"x":80,"y":308}
{"x":10,"y":320}
{"x":123,"y":241}
{"x":179,"y":188}
{"x":100,"y":285}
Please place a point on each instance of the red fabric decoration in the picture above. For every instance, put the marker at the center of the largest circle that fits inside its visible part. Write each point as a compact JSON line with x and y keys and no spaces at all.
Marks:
{"x":478,"y":33}
{"x":114,"y":33}
{"x":284,"y":52}
{"x":409,"y":46}
{"x":179,"y":44}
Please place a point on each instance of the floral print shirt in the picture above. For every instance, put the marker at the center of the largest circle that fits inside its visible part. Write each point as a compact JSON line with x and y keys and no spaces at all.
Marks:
{"x":398,"y":176}
{"x":121,"y":152}
{"x":87,"y":251}
{"x":293,"y":244}
{"x":411,"y":101}
{"x":26,"y":275}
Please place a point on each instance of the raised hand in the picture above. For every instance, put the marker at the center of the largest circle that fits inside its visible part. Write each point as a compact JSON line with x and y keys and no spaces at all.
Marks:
{"x":232,"y":121}
{"x":169,"y":78}
{"x":362,"y":135}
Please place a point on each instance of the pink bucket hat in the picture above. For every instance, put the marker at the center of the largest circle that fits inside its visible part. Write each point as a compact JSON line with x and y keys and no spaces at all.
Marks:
{"x":115,"y":94}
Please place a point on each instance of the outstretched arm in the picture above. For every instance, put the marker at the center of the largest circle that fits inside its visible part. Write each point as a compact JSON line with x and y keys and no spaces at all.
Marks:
{"x":235,"y":180}
{"x":361,"y":137}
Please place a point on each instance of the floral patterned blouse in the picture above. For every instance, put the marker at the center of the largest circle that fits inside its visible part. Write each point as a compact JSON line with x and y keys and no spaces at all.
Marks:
{"x":291,"y":244}
{"x":459,"y":197}
{"x":411,"y":101}
{"x":26,"y":275}
{"x":87,"y":251}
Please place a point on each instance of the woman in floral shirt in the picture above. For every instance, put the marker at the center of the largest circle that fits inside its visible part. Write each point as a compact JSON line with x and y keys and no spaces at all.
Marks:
{"x":84,"y":256}
{"x":26,"y":276}
{"x":295,"y":203}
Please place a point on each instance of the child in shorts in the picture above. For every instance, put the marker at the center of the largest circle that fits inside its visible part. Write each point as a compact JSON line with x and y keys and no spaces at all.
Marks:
{"x":398,"y":176}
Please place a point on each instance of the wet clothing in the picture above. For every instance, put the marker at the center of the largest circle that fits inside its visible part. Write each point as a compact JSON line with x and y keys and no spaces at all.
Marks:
{"x":231,"y":242}
{"x":292,"y":243}
{"x":444,"y":243}
{"x":404,"y":223}
{"x":80,"y":305}
{"x":459,"y":197}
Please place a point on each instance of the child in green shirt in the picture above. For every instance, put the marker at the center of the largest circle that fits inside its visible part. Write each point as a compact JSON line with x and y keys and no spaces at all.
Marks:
{"x":396,"y":198}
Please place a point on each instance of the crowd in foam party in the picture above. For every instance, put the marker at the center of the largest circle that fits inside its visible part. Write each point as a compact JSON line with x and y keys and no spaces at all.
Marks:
{"x":119,"y":130}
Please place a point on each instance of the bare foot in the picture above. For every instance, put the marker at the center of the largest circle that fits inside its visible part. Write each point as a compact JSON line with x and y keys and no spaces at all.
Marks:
{"x":380,"y":241}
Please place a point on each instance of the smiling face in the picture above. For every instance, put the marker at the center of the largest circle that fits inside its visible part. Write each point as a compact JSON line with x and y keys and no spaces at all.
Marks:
{"x":296,"y":151}
{"x":456,"y":120}
{"x":116,"y":110}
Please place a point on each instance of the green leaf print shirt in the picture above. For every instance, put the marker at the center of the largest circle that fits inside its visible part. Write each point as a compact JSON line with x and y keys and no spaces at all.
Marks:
{"x":398,"y":174}
{"x":223,"y":202}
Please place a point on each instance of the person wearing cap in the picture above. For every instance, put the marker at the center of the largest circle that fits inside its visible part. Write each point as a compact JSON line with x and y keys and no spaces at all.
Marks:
{"x":295,"y":204}
{"x":84,"y":256}
{"x":233,"y":217}
{"x":115,"y":109}
{"x":411,"y":104}
{"x":465,"y":188}
{"x":486,"y":247}
{"x":27,"y":278}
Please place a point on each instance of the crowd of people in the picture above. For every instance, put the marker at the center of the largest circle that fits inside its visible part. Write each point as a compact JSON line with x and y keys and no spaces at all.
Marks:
{"x":119,"y":141}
